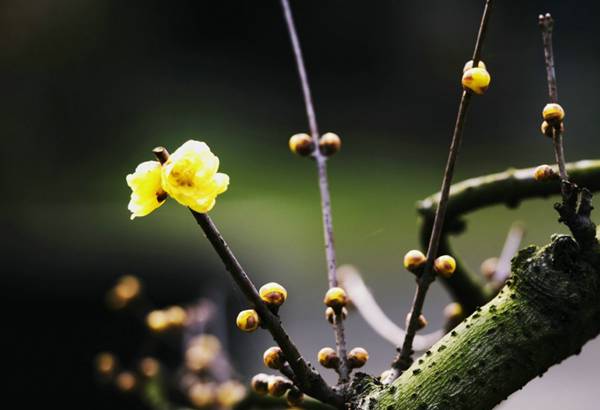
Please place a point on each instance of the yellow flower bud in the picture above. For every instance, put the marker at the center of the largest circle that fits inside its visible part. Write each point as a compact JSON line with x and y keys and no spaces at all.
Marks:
{"x":330,"y":314}
{"x":176,"y":316}
{"x":149,"y":367}
{"x":278,"y":386}
{"x":445,"y":266}
{"x":413,"y":260}
{"x":553,"y":113}
{"x":260,"y":384}
{"x":476,"y":80}
{"x":469,"y":65}
{"x":201,"y":352}
{"x":106,"y":363}
{"x":546,"y":128}
{"x":273,"y":294}
{"x":273,"y":358}
{"x":128,"y":288}
{"x":295,"y":397}
{"x":329,"y":144}
{"x":421,"y":321}
{"x":190,"y":176}
{"x":336,"y":298}
{"x":454,"y":314}
{"x":488,"y":268}
{"x":357,"y":357}
{"x":230,"y":393}
{"x":147,"y":193}
{"x":544,"y":173}
{"x":126,"y":382}
{"x":202,"y":394}
{"x":248,"y":320}
{"x":157,"y":321}
{"x":328,"y":358}
{"x":302,"y":144}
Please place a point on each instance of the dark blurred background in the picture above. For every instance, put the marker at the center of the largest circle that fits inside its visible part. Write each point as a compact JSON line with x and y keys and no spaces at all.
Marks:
{"x":90,"y":86}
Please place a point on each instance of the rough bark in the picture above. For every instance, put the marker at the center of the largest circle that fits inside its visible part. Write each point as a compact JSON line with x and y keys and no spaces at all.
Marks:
{"x":546,"y":312}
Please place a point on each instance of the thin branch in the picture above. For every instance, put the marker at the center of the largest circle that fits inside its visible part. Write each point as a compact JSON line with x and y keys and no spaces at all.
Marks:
{"x":309,"y":379}
{"x":367,"y":306}
{"x":546,"y":23}
{"x":321,"y":161}
{"x":403,"y":360}
{"x":509,"y":188}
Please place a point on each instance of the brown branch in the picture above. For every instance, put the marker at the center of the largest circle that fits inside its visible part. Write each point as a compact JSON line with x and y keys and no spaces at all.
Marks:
{"x":309,"y":380}
{"x":321,"y":161}
{"x":404,"y":360}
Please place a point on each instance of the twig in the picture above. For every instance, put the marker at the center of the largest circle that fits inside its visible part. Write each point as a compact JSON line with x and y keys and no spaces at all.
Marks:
{"x":309,"y":380}
{"x":510,"y":188}
{"x":547,"y":25}
{"x":510,"y":248}
{"x":403,"y":360}
{"x":367,"y":306}
{"x":321,"y":161}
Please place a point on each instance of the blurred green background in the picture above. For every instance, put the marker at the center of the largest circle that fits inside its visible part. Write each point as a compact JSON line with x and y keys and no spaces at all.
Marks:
{"x":91,"y":86}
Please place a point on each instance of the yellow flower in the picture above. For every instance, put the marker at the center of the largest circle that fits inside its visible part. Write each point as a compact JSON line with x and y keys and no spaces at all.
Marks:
{"x":146,"y":191}
{"x":190,"y":176}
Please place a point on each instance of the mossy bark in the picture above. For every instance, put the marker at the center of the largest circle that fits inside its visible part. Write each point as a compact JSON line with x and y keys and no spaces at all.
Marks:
{"x":546,"y":312}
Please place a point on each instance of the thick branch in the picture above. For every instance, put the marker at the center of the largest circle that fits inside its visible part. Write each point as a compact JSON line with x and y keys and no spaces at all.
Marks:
{"x":546,"y":312}
{"x":509,"y":188}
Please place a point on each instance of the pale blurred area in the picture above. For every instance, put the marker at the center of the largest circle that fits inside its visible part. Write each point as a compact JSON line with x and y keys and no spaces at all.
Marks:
{"x":91,"y":86}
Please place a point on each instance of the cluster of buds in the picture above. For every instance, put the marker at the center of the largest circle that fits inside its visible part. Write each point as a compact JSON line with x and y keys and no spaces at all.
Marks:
{"x":273,"y":295}
{"x":553,"y":115}
{"x":277,"y":386}
{"x":329,"y":359}
{"x":476,"y":79}
{"x":303,"y":145}
{"x":209,"y":394}
{"x":173,"y":317}
{"x":126,"y":381}
{"x":415,"y":261}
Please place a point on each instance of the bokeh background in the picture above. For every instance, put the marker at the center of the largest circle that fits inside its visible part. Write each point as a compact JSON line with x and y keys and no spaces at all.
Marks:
{"x":90,"y":86}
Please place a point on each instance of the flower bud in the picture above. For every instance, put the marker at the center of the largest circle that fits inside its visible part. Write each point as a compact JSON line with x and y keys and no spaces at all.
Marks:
{"x":274,"y":358}
{"x":273,"y":294}
{"x":149,"y":367}
{"x":302,"y":144}
{"x":546,"y":128}
{"x":278,"y":386}
{"x":469,"y":65}
{"x":476,"y":80}
{"x":157,"y":321}
{"x":336,"y":298}
{"x":445,"y":266}
{"x":330,"y":314}
{"x":421,"y":321}
{"x":202,"y":394}
{"x":488,"y":268}
{"x":128,"y":287}
{"x":413,"y":260}
{"x":295,"y":397}
{"x":544,"y":173}
{"x":106,"y":363}
{"x":126,"y":381}
{"x":328,"y":358}
{"x":230,"y":393}
{"x":329,"y":144}
{"x":553,"y":113}
{"x":176,"y":315}
{"x":260,"y":384}
{"x":357,"y":357}
{"x":248,"y":320}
